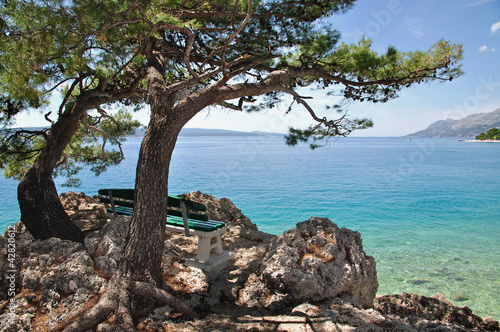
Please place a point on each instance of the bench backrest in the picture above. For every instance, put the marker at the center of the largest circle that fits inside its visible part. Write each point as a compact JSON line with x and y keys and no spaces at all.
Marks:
{"x":125,"y":198}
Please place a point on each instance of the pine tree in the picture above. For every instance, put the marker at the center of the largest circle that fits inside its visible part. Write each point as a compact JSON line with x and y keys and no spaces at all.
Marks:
{"x":187,"y":56}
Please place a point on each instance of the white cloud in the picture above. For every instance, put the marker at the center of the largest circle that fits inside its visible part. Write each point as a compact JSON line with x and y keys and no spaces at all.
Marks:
{"x":478,"y":3}
{"x":486,"y":49}
{"x":417,"y":32}
{"x":415,"y":28}
{"x":495,"y":27}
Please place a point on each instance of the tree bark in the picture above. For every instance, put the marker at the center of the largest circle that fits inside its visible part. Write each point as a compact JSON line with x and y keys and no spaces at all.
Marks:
{"x":41,"y":209}
{"x":147,"y":227}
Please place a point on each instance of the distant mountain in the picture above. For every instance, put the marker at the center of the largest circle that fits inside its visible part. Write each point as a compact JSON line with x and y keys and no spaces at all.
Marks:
{"x":199,"y":132}
{"x":470,"y":126}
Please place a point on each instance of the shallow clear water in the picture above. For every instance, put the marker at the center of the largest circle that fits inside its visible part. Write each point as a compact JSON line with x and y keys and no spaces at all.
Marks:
{"x":428,"y":209}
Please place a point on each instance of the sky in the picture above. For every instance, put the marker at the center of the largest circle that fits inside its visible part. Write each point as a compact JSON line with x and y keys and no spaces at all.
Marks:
{"x":408,"y":25}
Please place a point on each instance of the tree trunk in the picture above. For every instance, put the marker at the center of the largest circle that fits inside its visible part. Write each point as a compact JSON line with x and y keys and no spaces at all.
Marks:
{"x":142,"y":255}
{"x":41,"y":209}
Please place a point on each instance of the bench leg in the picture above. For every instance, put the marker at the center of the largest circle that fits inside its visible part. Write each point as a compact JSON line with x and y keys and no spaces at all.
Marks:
{"x":205,"y":246}
{"x":217,"y":246}
{"x":203,"y":253}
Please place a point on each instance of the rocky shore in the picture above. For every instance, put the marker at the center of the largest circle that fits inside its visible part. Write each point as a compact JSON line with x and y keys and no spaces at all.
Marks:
{"x":315,"y":277}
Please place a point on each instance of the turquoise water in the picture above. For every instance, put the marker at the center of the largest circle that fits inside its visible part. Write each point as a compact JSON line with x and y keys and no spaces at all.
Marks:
{"x":428,"y":209}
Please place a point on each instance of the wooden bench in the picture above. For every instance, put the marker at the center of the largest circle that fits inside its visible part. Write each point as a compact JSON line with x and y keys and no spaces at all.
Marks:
{"x":182,"y":216}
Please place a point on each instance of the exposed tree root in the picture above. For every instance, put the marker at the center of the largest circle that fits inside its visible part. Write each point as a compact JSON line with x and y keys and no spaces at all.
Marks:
{"x":118,"y":305}
{"x":161,"y":296}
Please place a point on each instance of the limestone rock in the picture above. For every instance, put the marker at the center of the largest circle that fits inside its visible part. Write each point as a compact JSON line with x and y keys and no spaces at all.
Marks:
{"x":106,"y":246}
{"x":316,"y":261}
{"x":432,"y":313}
{"x":55,"y":278}
{"x":86,"y":212}
{"x":222,"y":210}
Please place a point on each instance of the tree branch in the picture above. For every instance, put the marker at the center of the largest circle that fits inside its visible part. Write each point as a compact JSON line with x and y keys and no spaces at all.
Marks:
{"x":104,"y":134}
{"x":233,"y":36}
{"x":195,"y":80}
{"x":300,"y":100}
{"x":63,"y":161}
{"x":187,"y":53}
{"x":68,"y":94}
{"x":238,"y":107}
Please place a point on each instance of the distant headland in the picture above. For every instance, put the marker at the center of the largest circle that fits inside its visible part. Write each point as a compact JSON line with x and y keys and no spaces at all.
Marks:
{"x":470,"y":126}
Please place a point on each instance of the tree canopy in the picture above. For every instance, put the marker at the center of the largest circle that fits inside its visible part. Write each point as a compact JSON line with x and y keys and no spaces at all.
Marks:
{"x":44,"y":54}
{"x":54,"y":43}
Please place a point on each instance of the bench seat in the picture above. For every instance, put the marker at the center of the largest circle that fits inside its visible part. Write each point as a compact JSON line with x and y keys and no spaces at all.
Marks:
{"x":179,"y":219}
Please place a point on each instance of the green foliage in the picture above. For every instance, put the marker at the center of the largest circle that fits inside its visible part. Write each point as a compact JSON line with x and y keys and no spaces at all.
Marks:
{"x":18,"y":150}
{"x":322,"y":132}
{"x":89,"y":146}
{"x":46,"y":44}
{"x":357,"y":73}
{"x":492,"y":134}
{"x":50,"y":48}
{"x":9,"y":109}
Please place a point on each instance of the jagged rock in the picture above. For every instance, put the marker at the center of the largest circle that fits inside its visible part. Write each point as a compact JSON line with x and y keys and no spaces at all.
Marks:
{"x":86,"y":212}
{"x":343,"y":316}
{"x":432,"y":313}
{"x":314,"y":262}
{"x":58,"y":275}
{"x":157,"y":320}
{"x":223,"y":210}
{"x":106,"y":246}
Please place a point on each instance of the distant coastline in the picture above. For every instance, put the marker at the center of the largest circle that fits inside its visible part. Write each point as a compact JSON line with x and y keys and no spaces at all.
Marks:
{"x":186,"y":132}
{"x":478,"y":140}
{"x":200,"y":132}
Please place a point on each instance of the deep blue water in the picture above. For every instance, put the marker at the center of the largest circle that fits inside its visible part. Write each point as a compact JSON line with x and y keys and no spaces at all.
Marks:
{"x":428,"y":209}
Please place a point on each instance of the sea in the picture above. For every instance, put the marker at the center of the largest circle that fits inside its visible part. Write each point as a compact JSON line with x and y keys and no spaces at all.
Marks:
{"x":428,"y":209}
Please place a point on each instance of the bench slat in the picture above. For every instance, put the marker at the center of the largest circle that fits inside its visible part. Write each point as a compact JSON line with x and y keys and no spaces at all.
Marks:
{"x":122,"y":210}
{"x":119,"y":203}
{"x":203,"y":226}
{"x":210,"y":223}
{"x":119,"y":193}
{"x":190,"y":215}
{"x":173,"y":201}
